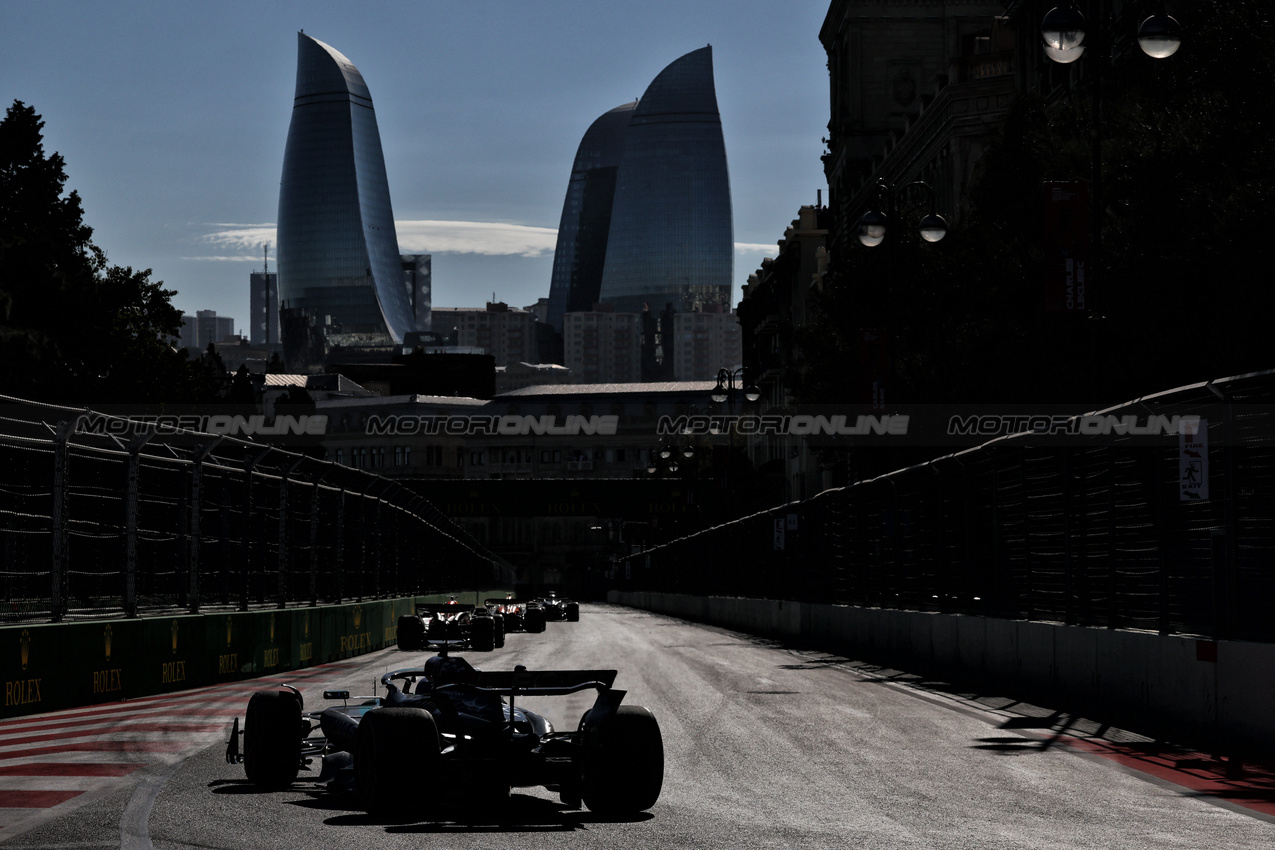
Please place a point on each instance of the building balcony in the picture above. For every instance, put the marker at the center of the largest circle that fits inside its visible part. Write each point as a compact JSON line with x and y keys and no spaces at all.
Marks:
{"x":997,"y":64}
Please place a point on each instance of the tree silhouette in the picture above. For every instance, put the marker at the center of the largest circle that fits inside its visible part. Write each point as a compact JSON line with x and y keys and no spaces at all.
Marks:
{"x":72,"y":327}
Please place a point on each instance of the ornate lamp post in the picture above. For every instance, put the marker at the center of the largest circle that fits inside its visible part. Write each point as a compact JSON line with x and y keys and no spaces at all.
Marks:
{"x":893,"y":202}
{"x":1065,"y":34}
{"x":885,"y":205}
{"x":725,"y":389}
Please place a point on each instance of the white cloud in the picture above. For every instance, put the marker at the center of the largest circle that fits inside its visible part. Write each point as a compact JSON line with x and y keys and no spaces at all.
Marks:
{"x":475,"y":237}
{"x":415,"y":237}
{"x":223,"y":258}
{"x":431,"y":237}
{"x":241,"y":236}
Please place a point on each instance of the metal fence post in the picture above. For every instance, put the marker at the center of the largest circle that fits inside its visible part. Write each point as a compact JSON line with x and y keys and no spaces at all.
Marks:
{"x":245,"y":547}
{"x":196,"y":517}
{"x":61,"y":458}
{"x":314,"y":539}
{"x":283,"y":532}
{"x":130,"y":523}
{"x":340,"y":544}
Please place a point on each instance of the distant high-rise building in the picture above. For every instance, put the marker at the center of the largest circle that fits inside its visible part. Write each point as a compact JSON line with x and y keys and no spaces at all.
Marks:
{"x":508,"y":335}
{"x":602,"y":347}
{"x":703,"y":343}
{"x":263,"y":304}
{"x":206,"y":327}
{"x":585,"y":225}
{"x":418,"y":274}
{"x":671,"y":239}
{"x":647,"y":218}
{"x":338,"y":251}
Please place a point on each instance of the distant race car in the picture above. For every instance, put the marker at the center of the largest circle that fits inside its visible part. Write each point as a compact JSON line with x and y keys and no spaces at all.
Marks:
{"x":449,"y":728}
{"x":519,"y":616}
{"x":479,"y":628}
{"x":560,"y":608}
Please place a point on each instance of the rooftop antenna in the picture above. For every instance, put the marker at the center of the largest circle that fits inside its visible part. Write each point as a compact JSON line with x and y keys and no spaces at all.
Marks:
{"x":266,"y":250}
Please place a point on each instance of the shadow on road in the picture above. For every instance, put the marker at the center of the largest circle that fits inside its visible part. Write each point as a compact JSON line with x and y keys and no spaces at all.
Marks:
{"x":520,"y":813}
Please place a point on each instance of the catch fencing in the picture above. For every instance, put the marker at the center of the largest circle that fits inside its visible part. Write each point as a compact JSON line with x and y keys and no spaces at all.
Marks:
{"x":135,"y":520}
{"x":1096,"y":530}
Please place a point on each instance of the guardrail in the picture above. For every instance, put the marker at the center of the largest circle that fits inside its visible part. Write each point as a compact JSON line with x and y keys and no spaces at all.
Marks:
{"x":1102,"y":529}
{"x":125,"y":516}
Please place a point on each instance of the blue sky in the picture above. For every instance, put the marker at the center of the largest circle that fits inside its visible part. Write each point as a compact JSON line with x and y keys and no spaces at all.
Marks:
{"x":172,"y":118}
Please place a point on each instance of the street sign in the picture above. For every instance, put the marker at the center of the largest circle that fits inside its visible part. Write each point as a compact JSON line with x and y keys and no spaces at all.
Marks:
{"x":1193,"y":460}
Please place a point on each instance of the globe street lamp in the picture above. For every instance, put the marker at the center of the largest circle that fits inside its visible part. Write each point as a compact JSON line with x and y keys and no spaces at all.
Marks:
{"x":1063,"y":32}
{"x":873,"y":223}
{"x":725,"y":389}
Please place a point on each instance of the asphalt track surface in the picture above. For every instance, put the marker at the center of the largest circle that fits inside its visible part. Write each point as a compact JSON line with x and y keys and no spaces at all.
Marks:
{"x":765,"y":746}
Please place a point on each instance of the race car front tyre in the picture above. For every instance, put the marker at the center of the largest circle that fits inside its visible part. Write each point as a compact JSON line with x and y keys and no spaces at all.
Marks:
{"x":622,"y":769}
{"x":272,"y":739}
{"x":411,"y":633}
{"x":396,"y":755}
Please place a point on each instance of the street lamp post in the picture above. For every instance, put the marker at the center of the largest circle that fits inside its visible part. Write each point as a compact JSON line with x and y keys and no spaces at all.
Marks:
{"x":724,"y":393}
{"x":893,"y":202}
{"x":1065,"y":33}
{"x":726,"y":388}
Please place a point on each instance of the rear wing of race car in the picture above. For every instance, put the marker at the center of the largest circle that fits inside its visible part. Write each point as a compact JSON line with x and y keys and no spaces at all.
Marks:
{"x":445,"y":607}
{"x":545,"y":682}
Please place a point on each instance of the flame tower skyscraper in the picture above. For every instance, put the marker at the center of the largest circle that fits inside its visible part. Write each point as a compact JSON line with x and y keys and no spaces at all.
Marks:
{"x":650,"y":192}
{"x":338,"y":252}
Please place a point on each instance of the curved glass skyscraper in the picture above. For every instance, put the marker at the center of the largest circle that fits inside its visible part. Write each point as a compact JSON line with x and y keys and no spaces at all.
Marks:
{"x":338,"y":251}
{"x":585,"y":227}
{"x":671,"y":238}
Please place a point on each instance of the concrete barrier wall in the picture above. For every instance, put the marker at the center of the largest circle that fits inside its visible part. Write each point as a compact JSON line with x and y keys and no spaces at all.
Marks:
{"x":1221,"y":693}
{"x":44,"y":667}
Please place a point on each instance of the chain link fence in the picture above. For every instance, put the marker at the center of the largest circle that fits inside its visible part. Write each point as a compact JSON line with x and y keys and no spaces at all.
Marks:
{"x":1108,"y":530}
{"x":102,"y":516}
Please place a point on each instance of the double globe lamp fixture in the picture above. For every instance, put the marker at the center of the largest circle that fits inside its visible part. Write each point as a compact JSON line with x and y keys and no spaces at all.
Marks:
{"x":665,"y":457}
{"x":725,"y":389}
{"x":1063,"y":31}
{"x":872,"y":225}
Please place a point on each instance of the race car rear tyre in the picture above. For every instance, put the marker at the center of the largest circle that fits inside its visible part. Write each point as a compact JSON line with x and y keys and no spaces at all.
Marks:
{"x":396,"y":755}
{"x":483,"y":634}
{"x":411,"y":633}
{"x":573,"y":612}
{"x":535,"y":620}
{"x":500,"y":630}
{"x":272,"y":739}
{"x":622,"y":769}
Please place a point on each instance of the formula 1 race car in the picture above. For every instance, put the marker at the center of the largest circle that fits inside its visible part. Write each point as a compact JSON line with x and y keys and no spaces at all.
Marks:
{"x":560,"y":608}
{"x":450,"y":726}
{"x":519,"y":616}
{"x":480,"y":628}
